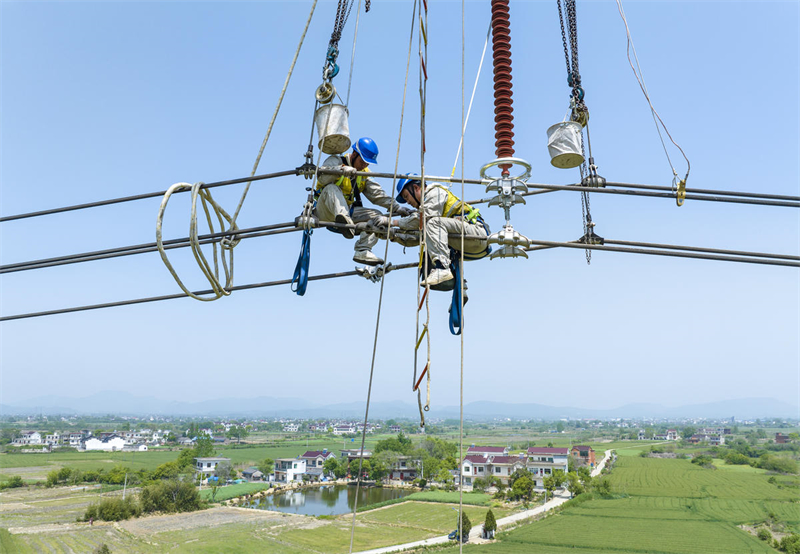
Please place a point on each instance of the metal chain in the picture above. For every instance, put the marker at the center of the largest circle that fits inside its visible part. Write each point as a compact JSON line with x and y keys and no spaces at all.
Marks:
{"x":342,"y":13}
{"x":563,"y":37}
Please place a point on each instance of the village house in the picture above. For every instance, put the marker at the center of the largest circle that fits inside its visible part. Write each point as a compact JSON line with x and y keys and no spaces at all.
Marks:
{"x":344,"y":430}
{"x":28,"y":437}
{"x":583,"y":455}
{"x":405,"y":468}
{"x":542,"y":462}
{"x":473,"y":466}
{"x":289,"y":469}
{"x":253,"y":474}
{"x":780,"y":438}
{"x":108,"y":442}
{"x":355,"y":454}
{"x":395,"y":429}
{"x":291,"y":428}
{"x":315,"y":459}
{"x":488,"y":450}
{"x":207,"y":467}
{"x":503,"y":467}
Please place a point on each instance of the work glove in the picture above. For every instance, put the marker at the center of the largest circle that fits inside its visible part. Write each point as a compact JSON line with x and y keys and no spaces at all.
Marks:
{"x":381,"y":221}
{"x":404,"y":211}
{"x":349,"y":172}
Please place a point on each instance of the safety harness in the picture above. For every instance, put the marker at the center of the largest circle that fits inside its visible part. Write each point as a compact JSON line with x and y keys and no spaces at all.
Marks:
{"x":453,"y":208}
{"x":352,"y":195}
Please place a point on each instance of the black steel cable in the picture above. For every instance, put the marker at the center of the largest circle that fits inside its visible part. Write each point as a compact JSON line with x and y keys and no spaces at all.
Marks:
{"x":138,"y":248}
{"x":538,"y":245}
{"x":702,"y":249}
{"x":143,"y":196}
{"x":794,"y":201}
{"x":182,"y":295}
{"x":655,"y":252}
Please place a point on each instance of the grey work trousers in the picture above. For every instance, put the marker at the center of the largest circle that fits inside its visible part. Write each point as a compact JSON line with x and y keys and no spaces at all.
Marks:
{"x":438,"y":230}
{"x":331,"y":202}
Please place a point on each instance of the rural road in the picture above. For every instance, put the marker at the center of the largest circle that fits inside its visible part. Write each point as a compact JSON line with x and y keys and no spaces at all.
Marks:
{"x":559,"y":499}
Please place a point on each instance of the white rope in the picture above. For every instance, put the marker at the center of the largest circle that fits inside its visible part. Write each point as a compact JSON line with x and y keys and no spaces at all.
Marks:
{"x":221,"y":215}
{"x":353,"y":54}
{"x":461,"y":284}
{"x":656,"y":118}
{"x":277,"y":109}
{"x":383,"y":278}
{"x":465,"y":122}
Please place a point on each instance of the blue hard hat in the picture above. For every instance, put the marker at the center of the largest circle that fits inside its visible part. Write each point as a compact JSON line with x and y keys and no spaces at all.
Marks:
{"x":367,"y":149}
{"x":401,"y":184}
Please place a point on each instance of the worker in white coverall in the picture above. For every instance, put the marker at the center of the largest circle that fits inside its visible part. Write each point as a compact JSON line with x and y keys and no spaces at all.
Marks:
{"x":338,"y":200}
{"x":444,"y":224}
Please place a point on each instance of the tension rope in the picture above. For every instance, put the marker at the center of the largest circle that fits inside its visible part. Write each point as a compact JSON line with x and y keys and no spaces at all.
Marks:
{"x":228,"y":243}
{"x":678,"y":185}
{"x":423,"y":297}
{"x":382,"y":279}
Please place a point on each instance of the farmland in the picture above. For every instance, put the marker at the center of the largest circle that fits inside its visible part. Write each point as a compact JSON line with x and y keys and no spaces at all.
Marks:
{"x":665,"y":506}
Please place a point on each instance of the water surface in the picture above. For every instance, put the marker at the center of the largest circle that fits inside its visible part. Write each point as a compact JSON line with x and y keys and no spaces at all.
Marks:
{"x":326,"y":500}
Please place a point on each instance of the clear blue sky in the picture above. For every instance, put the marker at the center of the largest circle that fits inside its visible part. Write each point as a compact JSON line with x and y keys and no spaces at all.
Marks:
{"x":107,"y":99}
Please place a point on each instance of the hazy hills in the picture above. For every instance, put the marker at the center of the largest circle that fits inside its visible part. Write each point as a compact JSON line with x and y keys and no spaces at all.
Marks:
{"x":123,"y":403}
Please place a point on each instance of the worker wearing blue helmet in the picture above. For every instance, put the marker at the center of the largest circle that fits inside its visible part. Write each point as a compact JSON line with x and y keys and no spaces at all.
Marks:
{"x":339,"y":197}
{"x":446,"y":217}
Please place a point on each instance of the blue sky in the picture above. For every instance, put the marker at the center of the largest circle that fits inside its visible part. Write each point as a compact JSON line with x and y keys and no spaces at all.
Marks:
{"x":102,"y":100}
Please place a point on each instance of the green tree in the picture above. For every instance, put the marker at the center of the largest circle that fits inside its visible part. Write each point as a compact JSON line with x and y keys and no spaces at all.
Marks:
{"x":518,"y":474}
{"x":465,"y":527}
{"x":574,"y":484}
{"x":224,"y":471}
{"x":238,"y":432}
{"x":267,"y":465}
{"x":790,"y":544}
{"x":401,"y":444}
{"x":102,"y":549}
{"x":167,"y":470}
{"x":490,"y":523}
{"x":522,"y":488}
{"x":444,"y":477}
{"x":560,"y":426}
{"x":549,"y":484}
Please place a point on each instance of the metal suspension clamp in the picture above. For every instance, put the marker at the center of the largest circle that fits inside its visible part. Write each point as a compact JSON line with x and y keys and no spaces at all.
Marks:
{"x":509,"y":191}
{"x":307,"y":220}
{"x":593,"y":179}
{"x":308,"y":168}
{"x":590,"y":237}
{"x":376,"y":273}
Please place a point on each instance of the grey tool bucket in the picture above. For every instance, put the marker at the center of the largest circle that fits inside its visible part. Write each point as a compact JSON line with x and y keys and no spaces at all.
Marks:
{"x":564,"y":141}
{"x":334,"y":138}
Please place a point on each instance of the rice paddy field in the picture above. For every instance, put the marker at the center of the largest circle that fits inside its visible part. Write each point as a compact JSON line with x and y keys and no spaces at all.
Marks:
{"x":667,"y":506}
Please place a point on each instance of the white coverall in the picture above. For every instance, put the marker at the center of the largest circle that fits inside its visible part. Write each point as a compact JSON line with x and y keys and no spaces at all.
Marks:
{"x":438,"y":227}
{"x":332,"y":202}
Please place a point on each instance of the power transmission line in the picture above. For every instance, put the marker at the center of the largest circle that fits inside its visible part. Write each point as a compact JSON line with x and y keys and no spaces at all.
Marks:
{"x":646,"y":248}
{"x":691,"y":194}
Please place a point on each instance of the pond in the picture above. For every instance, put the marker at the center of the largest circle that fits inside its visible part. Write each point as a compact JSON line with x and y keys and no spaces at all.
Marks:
{"x":326,"y":500}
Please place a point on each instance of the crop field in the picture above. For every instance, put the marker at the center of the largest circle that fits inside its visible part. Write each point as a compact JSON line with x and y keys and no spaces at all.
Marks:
{"x":679,"y":478}
{"x":662,"y":506}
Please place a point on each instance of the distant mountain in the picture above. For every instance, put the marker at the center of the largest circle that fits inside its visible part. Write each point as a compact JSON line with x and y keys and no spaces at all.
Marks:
{"x":123,"y":403}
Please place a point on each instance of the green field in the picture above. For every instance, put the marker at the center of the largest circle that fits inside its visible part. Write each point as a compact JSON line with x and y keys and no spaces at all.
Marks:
{"x":667,"y":506}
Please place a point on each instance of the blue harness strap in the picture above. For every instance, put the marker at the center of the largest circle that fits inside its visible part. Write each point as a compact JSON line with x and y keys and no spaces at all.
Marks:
{"x":455,"y":304}
{"x":300,"y":277}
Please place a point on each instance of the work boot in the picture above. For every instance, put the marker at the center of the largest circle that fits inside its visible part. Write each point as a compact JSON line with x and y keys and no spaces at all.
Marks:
{"x":366,"y":257}
{"x":436,"y":277}
{"x":346,"y":232}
